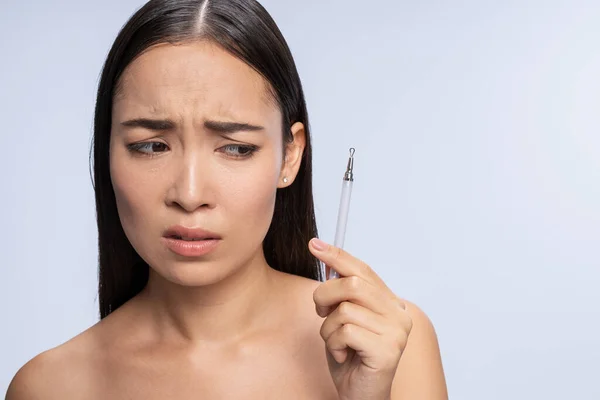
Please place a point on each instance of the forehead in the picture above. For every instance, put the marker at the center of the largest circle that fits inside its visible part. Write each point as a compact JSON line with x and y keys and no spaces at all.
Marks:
{"x":197,"y":77}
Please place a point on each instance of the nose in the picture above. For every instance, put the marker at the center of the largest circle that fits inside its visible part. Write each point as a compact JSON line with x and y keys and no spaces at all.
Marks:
{"x":190,"y":187}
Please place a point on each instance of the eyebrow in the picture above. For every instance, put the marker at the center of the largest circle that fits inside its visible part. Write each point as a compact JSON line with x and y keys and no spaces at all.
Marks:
{"x":223,"y":127}
{"x":231,"y":127}
{"x":151,"y":124}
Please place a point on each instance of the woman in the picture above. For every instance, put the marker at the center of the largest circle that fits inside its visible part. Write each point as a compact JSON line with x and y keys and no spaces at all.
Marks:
{"x":209,"y":278}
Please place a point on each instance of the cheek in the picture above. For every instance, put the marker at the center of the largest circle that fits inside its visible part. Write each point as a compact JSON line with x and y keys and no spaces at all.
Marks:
{"x":133,"y":194}
{"x":251,"y":195}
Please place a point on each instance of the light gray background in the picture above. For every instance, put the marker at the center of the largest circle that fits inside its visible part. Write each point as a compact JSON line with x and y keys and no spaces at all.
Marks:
{"x":477,"y":170}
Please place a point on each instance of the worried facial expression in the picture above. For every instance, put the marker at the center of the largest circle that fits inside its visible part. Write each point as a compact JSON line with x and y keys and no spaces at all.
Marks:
{"x":197,"y":152}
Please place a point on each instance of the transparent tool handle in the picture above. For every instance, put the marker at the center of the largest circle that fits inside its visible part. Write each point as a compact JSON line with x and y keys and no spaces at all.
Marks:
{"x":340,"y":230}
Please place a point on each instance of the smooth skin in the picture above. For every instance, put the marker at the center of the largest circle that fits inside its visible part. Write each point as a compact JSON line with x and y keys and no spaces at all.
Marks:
{"x":196,"y":141}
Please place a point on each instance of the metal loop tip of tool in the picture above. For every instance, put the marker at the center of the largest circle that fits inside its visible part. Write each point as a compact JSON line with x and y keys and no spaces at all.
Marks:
{"x":349,"y":176}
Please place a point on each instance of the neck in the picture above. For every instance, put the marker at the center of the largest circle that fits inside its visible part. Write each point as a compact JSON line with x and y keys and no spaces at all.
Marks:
{"x":226,"y":310}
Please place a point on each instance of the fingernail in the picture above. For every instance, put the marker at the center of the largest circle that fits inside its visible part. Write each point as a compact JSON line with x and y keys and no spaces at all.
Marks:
{"x":319,"y":244}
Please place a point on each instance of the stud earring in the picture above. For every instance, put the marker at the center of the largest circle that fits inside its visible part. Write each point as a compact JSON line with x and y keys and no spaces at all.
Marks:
{"x":285,"y":179}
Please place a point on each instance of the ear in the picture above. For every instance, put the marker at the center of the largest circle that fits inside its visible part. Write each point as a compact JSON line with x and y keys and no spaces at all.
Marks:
{"x":293,"y":155}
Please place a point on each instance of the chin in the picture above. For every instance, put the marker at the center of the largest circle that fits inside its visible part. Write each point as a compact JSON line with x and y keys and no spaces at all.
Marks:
{"x":191,"y":273}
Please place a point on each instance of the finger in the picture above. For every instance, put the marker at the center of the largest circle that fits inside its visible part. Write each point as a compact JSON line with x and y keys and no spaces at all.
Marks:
{"x":366,"y":344}
{"x":356,"y":290}
{"x":350,"y":313}
{"x":341,"y":261}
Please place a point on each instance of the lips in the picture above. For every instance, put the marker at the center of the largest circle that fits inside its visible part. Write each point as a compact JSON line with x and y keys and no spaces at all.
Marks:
{"x":190,"y":242}
{"x":190,"y":234}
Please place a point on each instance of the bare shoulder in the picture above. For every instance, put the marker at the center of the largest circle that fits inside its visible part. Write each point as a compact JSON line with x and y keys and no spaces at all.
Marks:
{"x":63,"y":372}
{"x":420,"y":372}
{"x":422,"y":324}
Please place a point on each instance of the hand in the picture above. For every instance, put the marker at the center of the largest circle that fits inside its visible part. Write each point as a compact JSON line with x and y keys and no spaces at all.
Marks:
{"x":366,"y":326}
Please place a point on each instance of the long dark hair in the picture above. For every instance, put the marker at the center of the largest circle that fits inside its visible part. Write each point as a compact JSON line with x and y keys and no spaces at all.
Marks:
{"x":247,"y":31}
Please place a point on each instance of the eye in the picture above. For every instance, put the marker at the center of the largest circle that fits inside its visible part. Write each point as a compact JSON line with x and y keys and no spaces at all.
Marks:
{"x":239,"y":150}
{"x":148,"y":148}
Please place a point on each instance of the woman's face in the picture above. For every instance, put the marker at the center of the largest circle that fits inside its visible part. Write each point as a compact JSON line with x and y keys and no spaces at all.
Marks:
{"x":196,"y":142}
